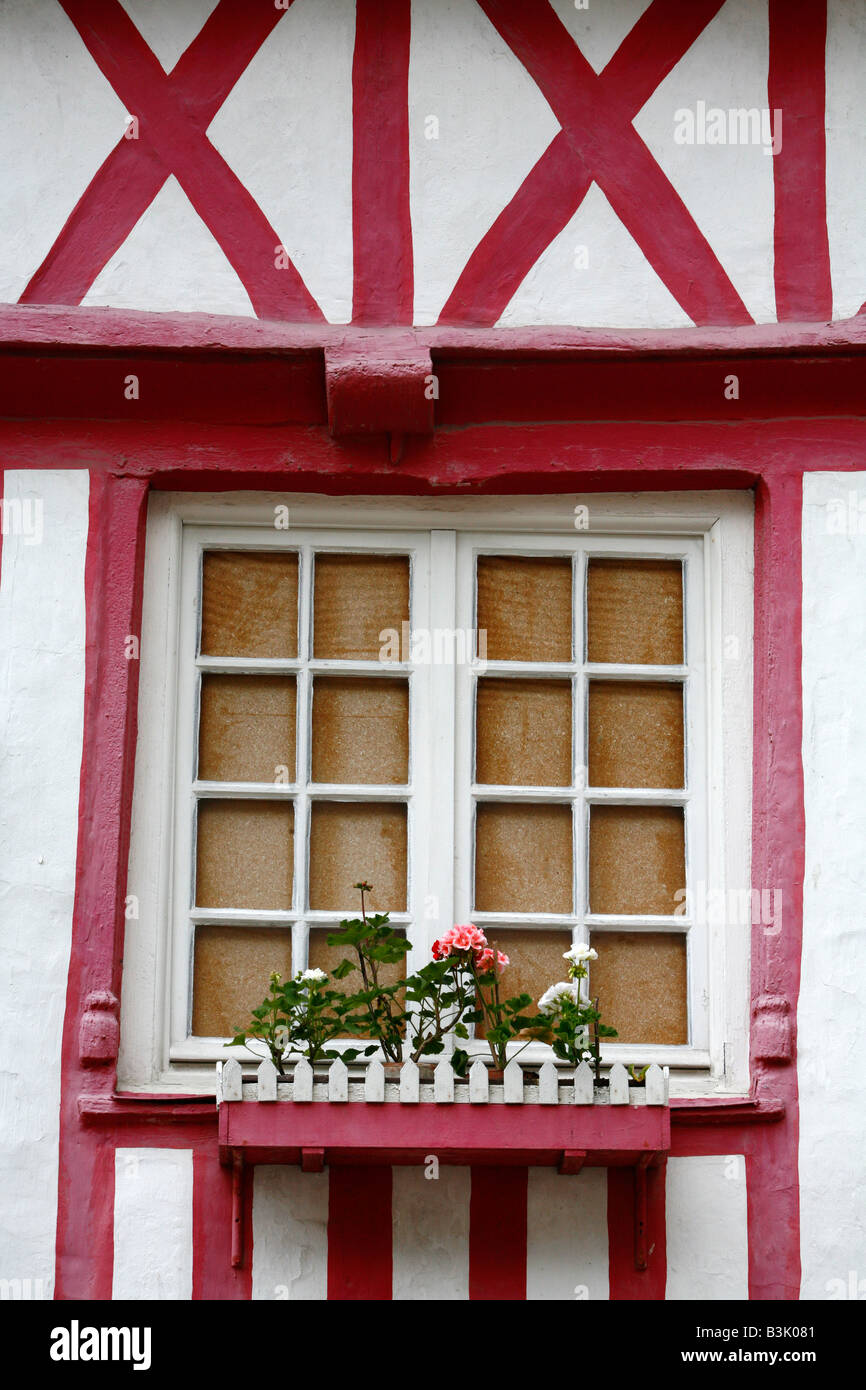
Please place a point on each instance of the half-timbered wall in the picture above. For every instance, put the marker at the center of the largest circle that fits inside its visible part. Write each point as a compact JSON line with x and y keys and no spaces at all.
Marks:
{"x":627,"y":164}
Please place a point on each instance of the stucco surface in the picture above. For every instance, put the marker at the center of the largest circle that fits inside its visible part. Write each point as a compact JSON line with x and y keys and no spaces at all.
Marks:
{"x":42,"y":629}
{"x":152,"y":1223}
{"x":707,"y":1233}
{"x":831,"y":1016}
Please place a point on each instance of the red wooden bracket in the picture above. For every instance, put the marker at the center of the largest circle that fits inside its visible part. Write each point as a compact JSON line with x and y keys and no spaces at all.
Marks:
{"x":572,"y":1161}
{"x":237,"y":1210}
{"x":312,"y":1160}
{"x":376,"y":388}
{"x":640,"y":1210}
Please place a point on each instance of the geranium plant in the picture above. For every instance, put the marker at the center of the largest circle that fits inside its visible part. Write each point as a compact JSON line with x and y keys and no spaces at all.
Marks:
{"x":411,"y":1016}
{"x":376,"y":1010}
{"x":483,"y":965}
{"x":574,"y":1026}
{"x":298,"y":1015}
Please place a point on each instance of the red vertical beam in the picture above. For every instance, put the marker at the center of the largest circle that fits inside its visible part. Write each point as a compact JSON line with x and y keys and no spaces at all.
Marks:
{"x":113,"y":587}
{"x":381,"y":221}
{"x":778,"y":862}
{"x":359,"y":1234}
{"x":627,"y":1282}
{"x":212,"y":1273}
{"x":795,"y":87}
{"x":497,"y":1233}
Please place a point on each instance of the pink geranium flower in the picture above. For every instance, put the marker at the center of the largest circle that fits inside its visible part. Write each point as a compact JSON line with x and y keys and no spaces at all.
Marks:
{"x":488,"y":959}
{"x":463,"y":937}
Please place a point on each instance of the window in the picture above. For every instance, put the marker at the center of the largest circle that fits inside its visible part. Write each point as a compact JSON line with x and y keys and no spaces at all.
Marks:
{"x":489,"y":714}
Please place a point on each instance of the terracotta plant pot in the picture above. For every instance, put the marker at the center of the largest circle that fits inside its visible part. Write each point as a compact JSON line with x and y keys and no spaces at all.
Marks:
{"x":393,"y":1070}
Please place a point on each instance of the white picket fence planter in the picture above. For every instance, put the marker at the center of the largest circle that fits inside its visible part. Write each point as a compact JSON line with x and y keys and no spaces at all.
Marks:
{"x":551,"y":1085}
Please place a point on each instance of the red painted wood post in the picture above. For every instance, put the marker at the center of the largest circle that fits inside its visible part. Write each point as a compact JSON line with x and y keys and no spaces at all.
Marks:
{"x":626,"y":1281}
{"x":359,"y":1234}
{"x":112,"y":583}
{"x":796,"y":96}
{"x":384,"y":282}
{"x":497,"y":1233}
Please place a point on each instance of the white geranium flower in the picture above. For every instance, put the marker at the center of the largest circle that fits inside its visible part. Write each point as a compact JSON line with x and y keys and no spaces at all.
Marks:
{"x":549,"y":1002}
{"x":318,"y":975}
{"x":578,"y":954}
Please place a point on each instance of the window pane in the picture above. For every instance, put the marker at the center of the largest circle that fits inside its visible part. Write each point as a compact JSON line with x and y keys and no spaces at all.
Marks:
{"x":635,"y":611}
{"x":249,"y":604}
{"x":523,"y":733}
{"x":523,"y":858}
{"x":231,"y":975}
{"x":245,"y":854}
{"x":636,"y":859}
{"x":635,"y":734}
{"x":360,"y":730}
{"x":640,"y":980}
{"x":353,"y":843}
{"x":536,"y":961}
{"x":524,"y":605}
{"x":247,"y":728}
{"x":357,"y":597}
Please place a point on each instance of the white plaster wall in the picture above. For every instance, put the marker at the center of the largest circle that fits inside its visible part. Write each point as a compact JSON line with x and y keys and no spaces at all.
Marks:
{"x":707,"y":1228}
{"x":168,"y":27}
{"x":170,"y":261}
{"x":290,"y":1234}
{"x":728,"y":188}
{"x":593,"y":272}
{"x":431,"y":1234}
{"x":286,"y":130}
{"x":833,"y":978}
{"x":494,"y":126}
{"x":59,"y":119}
{"x":566,"y":1236}
{"x":42,"y":634}
{"x":152,"y":1224}
{"x":846,"y":153}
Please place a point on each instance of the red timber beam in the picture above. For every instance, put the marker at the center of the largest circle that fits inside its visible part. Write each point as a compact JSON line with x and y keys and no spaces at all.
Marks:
{"x":381,"y":220}
{"x":798,"y":38}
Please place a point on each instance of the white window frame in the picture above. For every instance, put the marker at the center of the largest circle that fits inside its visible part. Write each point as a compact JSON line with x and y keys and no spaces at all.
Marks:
{"x":694,"y":799}
{"x":302,"y":791}
{"x":712,"y":532}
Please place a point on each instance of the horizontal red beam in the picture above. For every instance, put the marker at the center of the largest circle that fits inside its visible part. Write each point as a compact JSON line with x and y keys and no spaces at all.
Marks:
{"x":194,"y":369}
{"x":735,"y":386}
{"x":391,"y":399}
{"x":289,"y":1126}
{"x":74,"y":327}
{"x":493,"y":459}
{"x":471,"y":1156}
{"x":97,"y":1108}
{"x":255,"y":390}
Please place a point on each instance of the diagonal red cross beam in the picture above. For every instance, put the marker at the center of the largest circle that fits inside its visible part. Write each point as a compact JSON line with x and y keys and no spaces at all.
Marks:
{"x":173,"y":113}
{"x":597,"y":142}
